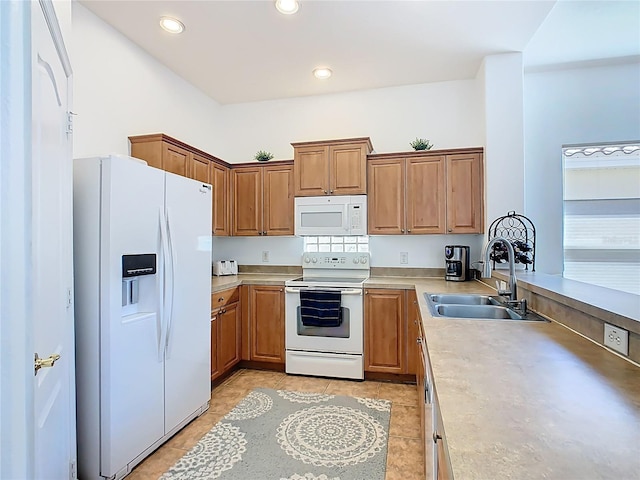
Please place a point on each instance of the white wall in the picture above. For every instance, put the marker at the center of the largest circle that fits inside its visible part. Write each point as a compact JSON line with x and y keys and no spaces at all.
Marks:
{"x":425,"y":251}
{"x":571,"y":106}
{"x":121,"y":91}
{"x":248,"y":250}
{"x":450,"y":114}
{"x":504,"y":149}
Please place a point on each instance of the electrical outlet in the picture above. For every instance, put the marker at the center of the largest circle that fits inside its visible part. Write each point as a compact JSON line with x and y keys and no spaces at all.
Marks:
{"x":404,"y":258}
{"x":265,"y":256}
{"x":616,"y":338}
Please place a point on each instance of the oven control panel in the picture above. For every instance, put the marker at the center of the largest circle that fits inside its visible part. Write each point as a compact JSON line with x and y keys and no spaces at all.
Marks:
{"x":335,"y":260}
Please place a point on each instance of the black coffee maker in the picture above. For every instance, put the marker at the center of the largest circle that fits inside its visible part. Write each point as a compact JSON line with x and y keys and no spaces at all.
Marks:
{"x":456,"y":263}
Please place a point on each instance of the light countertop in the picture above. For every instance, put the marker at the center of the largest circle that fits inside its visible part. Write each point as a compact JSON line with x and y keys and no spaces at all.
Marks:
{"x":521,"y":400}
{"x":531,"y":400}
{"x":230,"y":281}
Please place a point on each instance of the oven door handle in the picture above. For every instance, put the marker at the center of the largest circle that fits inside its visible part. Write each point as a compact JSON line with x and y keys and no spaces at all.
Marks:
{"x":346,"y":291}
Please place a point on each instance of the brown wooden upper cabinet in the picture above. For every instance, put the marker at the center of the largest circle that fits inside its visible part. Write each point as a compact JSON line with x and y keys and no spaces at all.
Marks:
{"x":425,"y":192}
{"x":219,"y":175}
{"x":332,"y":167}
{"x":465,"y":193}
{"x":198,"y":168}
{"x":263,"y":200}
{"x":172,"y":155}
{"x":406,"y":195}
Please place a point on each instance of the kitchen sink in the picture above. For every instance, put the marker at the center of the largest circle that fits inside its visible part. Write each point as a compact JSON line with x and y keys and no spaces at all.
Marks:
{"x":478,"y":311}
{"x":477,"y":307}
{"x":463,"y":299}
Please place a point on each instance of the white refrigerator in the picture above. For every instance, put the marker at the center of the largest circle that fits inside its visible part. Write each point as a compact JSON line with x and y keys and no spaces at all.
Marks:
{"x":142,"y":267}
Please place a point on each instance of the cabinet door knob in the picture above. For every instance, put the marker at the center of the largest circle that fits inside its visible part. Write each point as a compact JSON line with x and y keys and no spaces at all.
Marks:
{"x":436,"y":437}
{"x":408,"y":230}
{"x":264,"y":233}
{"x":449,"y":230}
{"x":419,"y":341}
{"x":402,"y":230}
{"x":330,"y":191}
{"x":325,"y":192}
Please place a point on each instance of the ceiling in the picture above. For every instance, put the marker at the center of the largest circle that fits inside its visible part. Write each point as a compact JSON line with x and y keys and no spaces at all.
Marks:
{"x":245,"y":51}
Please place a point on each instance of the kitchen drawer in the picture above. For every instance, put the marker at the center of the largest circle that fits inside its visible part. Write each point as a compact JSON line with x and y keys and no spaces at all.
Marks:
{"x":225,"y":297}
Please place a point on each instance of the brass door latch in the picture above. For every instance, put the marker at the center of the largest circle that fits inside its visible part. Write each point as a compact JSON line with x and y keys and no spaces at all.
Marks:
{"x":44,"y":362}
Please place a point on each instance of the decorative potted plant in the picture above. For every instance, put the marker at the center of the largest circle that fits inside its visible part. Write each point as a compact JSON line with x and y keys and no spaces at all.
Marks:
{"x":421,"y":144}
{"x":263,"y":156}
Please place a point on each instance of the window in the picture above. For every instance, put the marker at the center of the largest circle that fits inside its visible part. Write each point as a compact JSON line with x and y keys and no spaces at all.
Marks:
{"x":602,"y":215}
{"x":336,"y":244}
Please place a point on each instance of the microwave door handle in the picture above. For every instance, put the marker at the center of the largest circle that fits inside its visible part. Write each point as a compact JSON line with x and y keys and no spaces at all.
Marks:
{"x":347,"y":219}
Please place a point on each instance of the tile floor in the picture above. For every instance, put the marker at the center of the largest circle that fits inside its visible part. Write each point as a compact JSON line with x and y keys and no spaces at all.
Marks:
{"x":404,"y":454}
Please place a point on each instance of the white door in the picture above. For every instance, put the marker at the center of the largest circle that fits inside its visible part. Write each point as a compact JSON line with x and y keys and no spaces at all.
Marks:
{"x":187,"y":361}
{"x":54,"y":392}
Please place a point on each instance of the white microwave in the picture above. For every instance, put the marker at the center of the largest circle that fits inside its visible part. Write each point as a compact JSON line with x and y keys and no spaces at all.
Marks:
{"x":331,"y":215}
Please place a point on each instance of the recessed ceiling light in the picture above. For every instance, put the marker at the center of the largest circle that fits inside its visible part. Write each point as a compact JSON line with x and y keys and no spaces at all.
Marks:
{"x":288,"y":7}
{"x":322,"y":73}
{"x":171,"y":25}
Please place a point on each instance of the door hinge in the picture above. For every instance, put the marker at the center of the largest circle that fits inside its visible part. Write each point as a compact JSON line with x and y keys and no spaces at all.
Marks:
{"x":73,"y":474}
{"x":69,"y":298}
{"x":70,"y":116}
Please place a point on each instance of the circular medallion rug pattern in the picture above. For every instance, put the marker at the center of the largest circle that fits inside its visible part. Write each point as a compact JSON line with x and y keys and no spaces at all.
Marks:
{"x":331,"y":436}
{"x":284,"y":435}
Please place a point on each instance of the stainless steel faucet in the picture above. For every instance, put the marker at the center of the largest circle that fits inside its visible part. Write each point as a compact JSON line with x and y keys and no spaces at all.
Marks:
{"x":486,"y":272}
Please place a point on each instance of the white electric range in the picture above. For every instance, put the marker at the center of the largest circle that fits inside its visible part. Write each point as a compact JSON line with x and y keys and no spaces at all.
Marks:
{"x":327,"y":351}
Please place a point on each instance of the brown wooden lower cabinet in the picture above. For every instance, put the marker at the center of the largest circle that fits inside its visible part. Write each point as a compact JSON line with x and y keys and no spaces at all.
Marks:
{"x":266,"y":323}
{"x":390,"y":330}
{"x":413,"y":317}
{"x":226,"y":331}
{"x":436,"y":455}
{"x":385,"y":332}
{"x":442,"y":465}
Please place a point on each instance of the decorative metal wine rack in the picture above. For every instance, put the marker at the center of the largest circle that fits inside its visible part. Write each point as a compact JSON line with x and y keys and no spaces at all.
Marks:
{"x":521,"y":232}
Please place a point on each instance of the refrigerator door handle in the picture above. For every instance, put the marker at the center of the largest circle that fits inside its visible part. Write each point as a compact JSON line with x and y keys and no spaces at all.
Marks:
{"x":161,"y":283}
{"x":171,"y":282}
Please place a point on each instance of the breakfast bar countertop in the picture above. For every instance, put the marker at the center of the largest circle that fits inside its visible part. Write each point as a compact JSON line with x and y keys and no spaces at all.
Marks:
{"x":530,"y":400}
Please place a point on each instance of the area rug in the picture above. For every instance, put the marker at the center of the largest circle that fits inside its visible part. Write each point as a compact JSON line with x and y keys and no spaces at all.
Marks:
{"x":285,"y":435}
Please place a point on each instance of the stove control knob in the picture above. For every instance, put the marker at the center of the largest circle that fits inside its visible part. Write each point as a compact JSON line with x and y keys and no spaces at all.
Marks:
{"x":356,"y":260}
{"x":363,"y":259}
{"x":315,"y":260}
{"x":307,"y":259}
